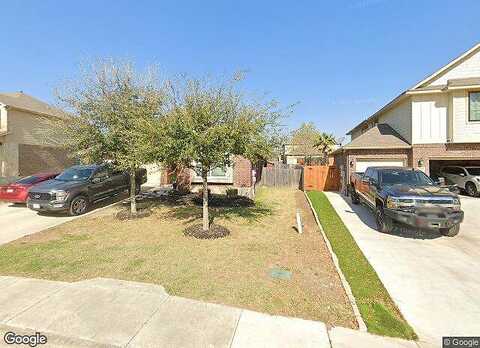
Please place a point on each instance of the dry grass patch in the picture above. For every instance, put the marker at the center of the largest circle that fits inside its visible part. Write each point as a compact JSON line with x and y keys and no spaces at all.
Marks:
{"x":232,"y":270}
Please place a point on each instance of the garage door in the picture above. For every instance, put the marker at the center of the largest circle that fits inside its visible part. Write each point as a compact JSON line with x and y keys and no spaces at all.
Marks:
{"x":362,"y":165}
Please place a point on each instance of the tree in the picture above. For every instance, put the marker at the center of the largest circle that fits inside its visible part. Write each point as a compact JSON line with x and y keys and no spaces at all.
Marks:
{"x":304,"y":139}
{"x":325,"y":143}
{"x":111,"y":106}
{"x":208,"y":124}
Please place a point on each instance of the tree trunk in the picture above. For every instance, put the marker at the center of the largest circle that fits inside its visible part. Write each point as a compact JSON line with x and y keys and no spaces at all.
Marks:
{"x":206,"y":222}
{"x":133,"y":193}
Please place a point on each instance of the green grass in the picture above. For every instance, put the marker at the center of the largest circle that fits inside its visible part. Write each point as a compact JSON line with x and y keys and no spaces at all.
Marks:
{"x":376,"y":307}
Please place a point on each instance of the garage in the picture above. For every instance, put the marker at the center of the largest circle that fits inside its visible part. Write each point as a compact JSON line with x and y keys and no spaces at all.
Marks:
{"x":437,"y":164}
{"x":363,"y":164}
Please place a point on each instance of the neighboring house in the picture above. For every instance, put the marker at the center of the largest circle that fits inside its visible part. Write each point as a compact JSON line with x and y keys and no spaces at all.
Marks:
{"x":432,"y":124}
{"x":301,"y":154}
{"x":28,"y":140}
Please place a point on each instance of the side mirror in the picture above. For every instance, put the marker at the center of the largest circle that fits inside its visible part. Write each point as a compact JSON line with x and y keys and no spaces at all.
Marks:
{"x":462,"y":174}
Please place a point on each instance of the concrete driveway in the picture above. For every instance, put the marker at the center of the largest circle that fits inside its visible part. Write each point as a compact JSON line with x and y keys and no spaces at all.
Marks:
{"x":434,"y":280}
{"x":17,"y":221}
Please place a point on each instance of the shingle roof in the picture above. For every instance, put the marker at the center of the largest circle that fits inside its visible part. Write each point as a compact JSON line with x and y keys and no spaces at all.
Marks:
{"x":381,"y":136}
{"x":24,"y":101}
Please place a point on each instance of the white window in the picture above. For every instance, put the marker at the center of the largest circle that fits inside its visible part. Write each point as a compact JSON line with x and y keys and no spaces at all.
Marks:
{"x":474,"y":106}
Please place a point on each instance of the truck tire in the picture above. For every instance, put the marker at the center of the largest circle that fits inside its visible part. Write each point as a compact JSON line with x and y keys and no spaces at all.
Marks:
{"x":471,"y":189}
{"x":354,"y":196}
{"x":450,"y":232}
{"x":384,"y":223}
{"x":78,"y":206}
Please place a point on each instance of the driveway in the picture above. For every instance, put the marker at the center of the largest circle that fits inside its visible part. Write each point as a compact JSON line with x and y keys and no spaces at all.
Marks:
{"x":434,"y":280}
{"x":17,"y":221}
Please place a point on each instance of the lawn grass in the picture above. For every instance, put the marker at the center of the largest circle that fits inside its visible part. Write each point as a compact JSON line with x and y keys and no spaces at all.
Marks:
{"x":376,"y":307}
{"x":232,"y":270}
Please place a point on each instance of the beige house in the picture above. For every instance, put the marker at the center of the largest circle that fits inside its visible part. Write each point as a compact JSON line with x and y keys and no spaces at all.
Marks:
{"x":434,"y":123}
{"x":29,"y":142}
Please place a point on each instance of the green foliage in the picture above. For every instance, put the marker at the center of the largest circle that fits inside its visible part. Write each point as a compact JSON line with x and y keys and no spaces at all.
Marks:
{"x":376,"y":307}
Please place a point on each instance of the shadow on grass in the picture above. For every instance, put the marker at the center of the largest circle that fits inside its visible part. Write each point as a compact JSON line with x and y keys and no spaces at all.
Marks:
{"x":188,"y":207}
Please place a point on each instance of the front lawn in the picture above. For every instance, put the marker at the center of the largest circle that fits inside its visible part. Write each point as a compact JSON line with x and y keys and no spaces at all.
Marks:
{"x":376,"y":307}
{"x":234,"y":270}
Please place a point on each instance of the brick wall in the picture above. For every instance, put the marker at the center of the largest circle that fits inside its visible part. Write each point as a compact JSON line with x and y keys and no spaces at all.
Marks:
{"x":242,"y":172}
{"x":35,"y":158}
{"x":452,"y":151}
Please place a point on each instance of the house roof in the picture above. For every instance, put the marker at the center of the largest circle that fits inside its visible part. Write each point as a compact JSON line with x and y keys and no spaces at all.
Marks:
{"x":381,"y":136}
{"x":422,"y":85}
{"x":22,"y":101}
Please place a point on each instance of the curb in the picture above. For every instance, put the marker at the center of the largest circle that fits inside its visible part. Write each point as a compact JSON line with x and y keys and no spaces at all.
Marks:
{"x":346,"y":286}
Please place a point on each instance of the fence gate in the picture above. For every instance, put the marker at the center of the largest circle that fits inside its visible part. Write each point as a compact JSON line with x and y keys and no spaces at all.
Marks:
{"x":321,"y":178}
{"x":281,"y":175}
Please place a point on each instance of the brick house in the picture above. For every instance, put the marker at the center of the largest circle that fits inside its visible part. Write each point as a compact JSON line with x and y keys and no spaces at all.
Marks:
{"x":29,"y":142}
{"x":432,"y":124}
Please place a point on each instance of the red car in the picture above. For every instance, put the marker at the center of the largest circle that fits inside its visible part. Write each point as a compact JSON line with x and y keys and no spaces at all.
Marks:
{"x":17,"y":192}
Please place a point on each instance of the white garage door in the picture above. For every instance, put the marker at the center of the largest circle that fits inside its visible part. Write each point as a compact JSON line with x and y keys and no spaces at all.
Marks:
{"x":362,"y":165}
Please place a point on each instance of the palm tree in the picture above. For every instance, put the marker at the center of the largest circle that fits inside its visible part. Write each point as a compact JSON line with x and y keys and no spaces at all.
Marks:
{"x":325,"y":143}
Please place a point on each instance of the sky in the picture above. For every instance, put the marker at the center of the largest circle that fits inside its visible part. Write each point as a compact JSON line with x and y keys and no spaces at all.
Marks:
{"x":337,"y":61}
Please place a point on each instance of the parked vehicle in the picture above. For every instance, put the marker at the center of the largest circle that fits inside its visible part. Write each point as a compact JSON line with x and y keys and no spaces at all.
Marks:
{"x":17,"y":192}
{"x":407,"y":196}
{"x":78,"y":187}
{"x":466,"y":178}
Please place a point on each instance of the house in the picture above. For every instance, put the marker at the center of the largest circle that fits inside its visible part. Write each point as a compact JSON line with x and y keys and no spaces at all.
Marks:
{"x":434,"y":123}
{"x":240,"y":175}
{"x":29,"y":141}
{"x":301,"y":154}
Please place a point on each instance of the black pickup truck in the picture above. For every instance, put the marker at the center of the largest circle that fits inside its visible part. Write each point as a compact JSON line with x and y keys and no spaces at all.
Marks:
{"x":407,"y":196}
{"x":76,"y":188}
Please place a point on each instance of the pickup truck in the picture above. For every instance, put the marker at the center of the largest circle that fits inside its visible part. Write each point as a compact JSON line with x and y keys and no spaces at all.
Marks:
{"x":406,"y":196}
{"x":78,"y":187}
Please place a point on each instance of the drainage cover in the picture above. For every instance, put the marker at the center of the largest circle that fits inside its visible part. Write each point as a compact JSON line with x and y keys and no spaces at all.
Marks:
{"x":279,"y":273}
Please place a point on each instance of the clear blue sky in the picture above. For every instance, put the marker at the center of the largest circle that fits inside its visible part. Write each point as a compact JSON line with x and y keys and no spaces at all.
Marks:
{"x":341,"y":60}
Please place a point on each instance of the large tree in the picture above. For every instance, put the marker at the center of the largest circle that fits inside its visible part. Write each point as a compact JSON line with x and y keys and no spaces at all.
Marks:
{"x":304,"y":139}
{"x":111,"y":106}
{"x":211,"y":122}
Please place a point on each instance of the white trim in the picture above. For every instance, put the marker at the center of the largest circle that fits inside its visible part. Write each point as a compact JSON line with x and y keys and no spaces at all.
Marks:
{"x":448,"y":66}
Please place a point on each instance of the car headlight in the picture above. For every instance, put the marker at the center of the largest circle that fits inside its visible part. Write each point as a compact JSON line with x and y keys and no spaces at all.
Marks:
{"x":400,"y":203}
{"x":60,"y":195}
{"x":456,"y":204}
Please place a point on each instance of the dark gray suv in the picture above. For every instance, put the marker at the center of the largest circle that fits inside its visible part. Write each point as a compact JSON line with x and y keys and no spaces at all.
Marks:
{"x":78,"y":187}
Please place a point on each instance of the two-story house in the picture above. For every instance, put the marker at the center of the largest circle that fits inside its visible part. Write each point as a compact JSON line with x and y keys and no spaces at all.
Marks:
{"x":29,"y":140}
{"x":434,"y":123}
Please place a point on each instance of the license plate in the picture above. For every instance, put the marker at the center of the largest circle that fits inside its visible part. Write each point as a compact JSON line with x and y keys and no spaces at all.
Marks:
{"x":9,"y":190}
{"x":36,"y":206}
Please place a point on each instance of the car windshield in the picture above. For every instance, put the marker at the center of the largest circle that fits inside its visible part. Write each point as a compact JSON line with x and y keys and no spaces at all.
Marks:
{"x":75,"y":174}
{"x":27,"y":180}
{"x":405,"y":177}
{"x":473,"y":170}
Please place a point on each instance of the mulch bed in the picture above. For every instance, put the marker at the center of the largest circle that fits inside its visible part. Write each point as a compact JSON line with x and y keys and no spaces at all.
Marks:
{"x":215,"y":231}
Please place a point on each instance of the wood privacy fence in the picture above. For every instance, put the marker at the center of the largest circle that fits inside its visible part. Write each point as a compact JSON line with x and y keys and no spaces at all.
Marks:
{"x":321,"y":178}
{"x":281,"y":175}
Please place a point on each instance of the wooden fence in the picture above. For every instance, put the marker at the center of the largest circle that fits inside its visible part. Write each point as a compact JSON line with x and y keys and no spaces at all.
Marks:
{"x":321,"y":178}
{"x":281,"y":175}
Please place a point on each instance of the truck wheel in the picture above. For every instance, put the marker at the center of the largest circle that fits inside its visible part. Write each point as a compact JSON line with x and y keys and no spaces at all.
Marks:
{"x":78,"y":206}
{"x":384,"y":223}
{"x":471,"y":189}
{"x":354,"y":196}
{"x":450,"y":232}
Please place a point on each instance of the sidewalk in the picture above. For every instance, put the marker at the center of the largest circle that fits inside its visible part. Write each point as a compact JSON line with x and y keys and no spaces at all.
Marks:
{"x":113,"y":313}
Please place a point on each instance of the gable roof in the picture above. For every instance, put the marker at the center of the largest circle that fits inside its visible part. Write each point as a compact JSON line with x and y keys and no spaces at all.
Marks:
{"x":22,"y":101}
{"x":381,"y":136}
{"x":420,"y":86}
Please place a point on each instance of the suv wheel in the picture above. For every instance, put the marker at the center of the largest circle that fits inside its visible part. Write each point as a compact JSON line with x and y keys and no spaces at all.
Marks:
{"x":450,"y":232}
{"x":78,"y":206}
{"x":384,"y":223}
{"x":471,"y":189}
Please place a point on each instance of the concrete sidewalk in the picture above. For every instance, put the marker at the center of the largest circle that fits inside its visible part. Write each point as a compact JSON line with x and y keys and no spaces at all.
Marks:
{"x":113,"y":313}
